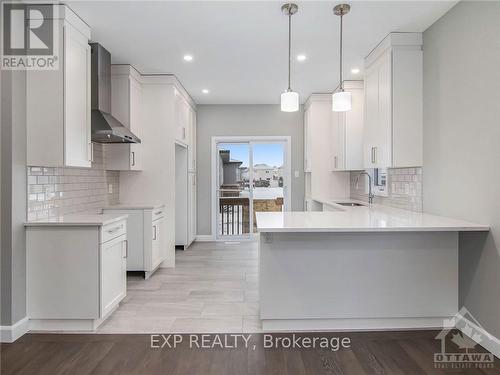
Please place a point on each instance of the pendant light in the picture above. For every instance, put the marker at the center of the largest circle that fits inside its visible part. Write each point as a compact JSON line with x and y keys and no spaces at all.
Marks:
{"x":341,"y":100}
{"x":289,"y":99}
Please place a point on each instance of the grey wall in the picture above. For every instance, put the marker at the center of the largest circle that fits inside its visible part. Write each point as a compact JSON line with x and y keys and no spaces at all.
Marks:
{"x":13,"y":197}
{"x":244,"y":120}
{"x":462,"y":143}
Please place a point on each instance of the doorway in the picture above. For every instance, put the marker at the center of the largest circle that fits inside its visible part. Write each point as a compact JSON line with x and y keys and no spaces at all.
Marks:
{"x":249,"y":175}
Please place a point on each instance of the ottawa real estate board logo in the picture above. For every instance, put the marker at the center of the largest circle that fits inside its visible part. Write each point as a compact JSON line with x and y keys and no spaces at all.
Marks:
{"x":30,"y":34}
{"x":466,"y":334}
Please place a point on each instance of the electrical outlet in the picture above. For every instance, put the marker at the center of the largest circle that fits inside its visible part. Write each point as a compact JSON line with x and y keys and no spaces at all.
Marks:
{"x":110,"y":188}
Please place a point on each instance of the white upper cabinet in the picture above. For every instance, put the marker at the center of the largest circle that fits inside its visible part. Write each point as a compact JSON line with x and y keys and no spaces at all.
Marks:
{"x":192,"y":141}
{"x":58,"y":101}
{"x":126,"y":106}
{"x":307,"y":141}
{"x":347,"y":132}
{"x":393,"y":103}
{"x":319,"y":145}
{"x":182,"y":115}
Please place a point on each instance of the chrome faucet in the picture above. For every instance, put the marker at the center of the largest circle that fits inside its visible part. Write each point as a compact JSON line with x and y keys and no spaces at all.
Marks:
{"x":370,"y":193}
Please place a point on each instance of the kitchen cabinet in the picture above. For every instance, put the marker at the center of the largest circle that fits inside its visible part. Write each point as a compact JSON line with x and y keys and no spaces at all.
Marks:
{"x":323,"y":184}
{"x":113,"y":273}
{"x":146,"y":229}
{"x":191,"y":207}
{"x":76,"y":271}
{"x":126,"y":106}
{"x":182,"y":118}
{"x":192,"y":141}
{"x":157,"y":253}
{"x":393,"y":125}
{"x":347,"y":132}
{"x":58,"y":101}
{"x":307,"y":142}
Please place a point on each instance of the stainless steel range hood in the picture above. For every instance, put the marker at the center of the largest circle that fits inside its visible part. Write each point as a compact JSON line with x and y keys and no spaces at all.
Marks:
{"x":105,"y":128}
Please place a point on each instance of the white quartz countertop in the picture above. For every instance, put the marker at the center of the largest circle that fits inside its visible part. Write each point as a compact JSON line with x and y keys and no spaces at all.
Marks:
{"x":134,"y":206}
{"x":77,"y":220}
{"x":375,"y":218}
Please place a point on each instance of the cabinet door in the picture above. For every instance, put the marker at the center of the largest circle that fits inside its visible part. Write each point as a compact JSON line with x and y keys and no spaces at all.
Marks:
{"x":192,"y":140}
{"x":353,"y":132}
{"x":383,"y":145}
{"x":156,"y":250}
{"x":338,"y":141}
{"x":371,"y":115}
{"x":307,"y":142}
{"x":113,"y":273}
{"x":182,"y":117}
{"x":77,"y":143}
{"x":191,"y":207}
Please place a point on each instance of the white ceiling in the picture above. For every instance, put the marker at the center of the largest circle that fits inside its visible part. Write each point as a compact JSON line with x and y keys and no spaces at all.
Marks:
{"x":240,"y":47}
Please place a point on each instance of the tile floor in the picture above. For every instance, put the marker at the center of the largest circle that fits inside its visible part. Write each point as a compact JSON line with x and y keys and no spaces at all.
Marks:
{"x":212,"y":289}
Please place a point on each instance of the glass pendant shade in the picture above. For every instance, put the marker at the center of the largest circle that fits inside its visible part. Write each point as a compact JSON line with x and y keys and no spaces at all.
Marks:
{"x":341,"y":101}
{"x":289,"y":101}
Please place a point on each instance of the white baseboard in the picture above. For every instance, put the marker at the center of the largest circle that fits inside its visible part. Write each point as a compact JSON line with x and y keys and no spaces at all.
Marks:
{"x":349,"y":325}
{"x":488,"y":341}
{"x":205,"y":238}
{"x":12,"y":333}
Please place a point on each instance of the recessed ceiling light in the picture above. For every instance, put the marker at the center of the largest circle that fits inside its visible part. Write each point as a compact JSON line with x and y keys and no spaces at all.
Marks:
{"x":188,"y":58}
{"x":205,"y":91}
{"x":301,"y":57}
{"x":355,"y":70}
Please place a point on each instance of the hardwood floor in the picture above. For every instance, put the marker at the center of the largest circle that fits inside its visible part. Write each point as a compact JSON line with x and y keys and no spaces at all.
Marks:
{"x":214,"y":289}
{"x":370,"y":353}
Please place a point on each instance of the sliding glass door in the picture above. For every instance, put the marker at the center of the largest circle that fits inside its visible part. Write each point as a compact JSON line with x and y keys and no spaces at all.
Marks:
{"x":234,"y":193}
{"x":251,"y":176}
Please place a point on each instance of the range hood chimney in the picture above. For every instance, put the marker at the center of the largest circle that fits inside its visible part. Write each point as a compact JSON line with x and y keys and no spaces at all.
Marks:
{"x":105,"y":128}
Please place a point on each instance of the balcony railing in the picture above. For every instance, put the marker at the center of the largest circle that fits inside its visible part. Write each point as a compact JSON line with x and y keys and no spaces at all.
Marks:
{"x":234,"y":211}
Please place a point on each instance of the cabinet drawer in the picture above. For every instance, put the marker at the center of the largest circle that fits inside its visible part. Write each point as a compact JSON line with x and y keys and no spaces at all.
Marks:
{"x":110,"y":231}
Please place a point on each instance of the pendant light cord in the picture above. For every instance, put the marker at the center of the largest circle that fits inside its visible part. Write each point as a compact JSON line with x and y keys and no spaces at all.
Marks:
{"x":341,"y":79}
{"x":289,"y":49}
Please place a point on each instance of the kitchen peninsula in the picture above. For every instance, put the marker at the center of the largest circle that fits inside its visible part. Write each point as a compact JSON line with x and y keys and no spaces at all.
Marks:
{"x":360,"y":267}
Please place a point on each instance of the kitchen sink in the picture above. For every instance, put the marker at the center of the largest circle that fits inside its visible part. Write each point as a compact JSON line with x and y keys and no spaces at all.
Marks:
{"x":351,"y":204}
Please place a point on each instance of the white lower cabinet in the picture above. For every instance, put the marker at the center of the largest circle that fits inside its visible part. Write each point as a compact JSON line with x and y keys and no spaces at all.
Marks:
{"x":146,"y":243}
{"x":113,"y":273}
{"x":76,"y":274}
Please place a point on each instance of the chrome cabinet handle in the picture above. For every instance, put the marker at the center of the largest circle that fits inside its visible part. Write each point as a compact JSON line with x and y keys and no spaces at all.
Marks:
{"x":154,"y":233}
{"x":126,"y":248}
{"x":374,"y":155}
{"x":133,"y":159}
{"x":115,"y":229}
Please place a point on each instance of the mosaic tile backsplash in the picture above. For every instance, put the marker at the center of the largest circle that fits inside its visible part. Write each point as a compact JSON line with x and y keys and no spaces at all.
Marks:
{"x":405,"y":189}
{"x":59,"y":191}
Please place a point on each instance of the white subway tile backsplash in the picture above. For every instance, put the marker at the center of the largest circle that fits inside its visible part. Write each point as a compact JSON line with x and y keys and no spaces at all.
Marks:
{"x":405,"y":189}
{"x":58,"y":191}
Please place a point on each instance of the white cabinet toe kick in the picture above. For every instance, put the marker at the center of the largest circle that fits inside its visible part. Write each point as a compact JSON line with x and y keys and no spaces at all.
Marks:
{"x":76,"y":275}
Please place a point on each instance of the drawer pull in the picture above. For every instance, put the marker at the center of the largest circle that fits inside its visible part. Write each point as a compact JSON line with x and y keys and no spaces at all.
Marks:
{"x":115,"y":229}
{"x":126,"y":248}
